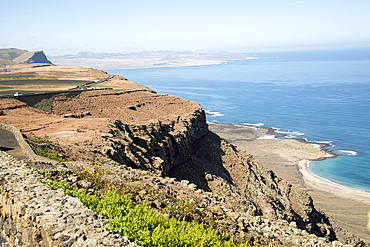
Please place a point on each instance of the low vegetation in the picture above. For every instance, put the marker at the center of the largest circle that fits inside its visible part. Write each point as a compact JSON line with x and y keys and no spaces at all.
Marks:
{"x":10,"y":53}
{"x":45,"y":148}
{"x":139,"y":221}
{"x":5,"y":62}
{"x":44,"y":102}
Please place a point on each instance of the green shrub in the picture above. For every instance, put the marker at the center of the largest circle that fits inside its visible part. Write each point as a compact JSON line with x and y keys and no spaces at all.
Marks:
{"x":50,"y":151}
{"x":141,"y":224}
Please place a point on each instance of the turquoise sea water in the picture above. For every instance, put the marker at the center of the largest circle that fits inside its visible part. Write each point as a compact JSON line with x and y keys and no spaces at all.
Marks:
{"x":322,"y":96}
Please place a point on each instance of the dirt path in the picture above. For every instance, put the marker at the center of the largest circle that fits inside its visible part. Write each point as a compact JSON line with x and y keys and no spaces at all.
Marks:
{"x":10,"y":145}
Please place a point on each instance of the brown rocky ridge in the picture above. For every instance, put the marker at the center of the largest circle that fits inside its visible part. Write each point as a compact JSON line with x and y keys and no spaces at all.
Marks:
{"x":159,"y":140}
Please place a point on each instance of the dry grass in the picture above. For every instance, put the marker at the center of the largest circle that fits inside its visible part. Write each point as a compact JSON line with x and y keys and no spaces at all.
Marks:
{"x":65,"y":73}
{"x":50,"y":78}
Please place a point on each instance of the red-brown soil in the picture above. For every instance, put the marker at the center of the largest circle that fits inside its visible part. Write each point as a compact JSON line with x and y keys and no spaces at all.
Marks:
{"x":78,"y":136}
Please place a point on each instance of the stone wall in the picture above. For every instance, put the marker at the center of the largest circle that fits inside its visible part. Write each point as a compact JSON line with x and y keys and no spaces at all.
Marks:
{"x":32,"y":214}
{"x":24,"y":145}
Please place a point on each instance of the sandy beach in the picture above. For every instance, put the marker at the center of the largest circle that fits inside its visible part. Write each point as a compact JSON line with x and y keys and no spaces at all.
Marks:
{"x":318,"y":183}
{"x":347,"y":207}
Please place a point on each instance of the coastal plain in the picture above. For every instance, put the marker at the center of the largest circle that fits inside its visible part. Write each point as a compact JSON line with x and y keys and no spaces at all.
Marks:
{"x":348,"y":208}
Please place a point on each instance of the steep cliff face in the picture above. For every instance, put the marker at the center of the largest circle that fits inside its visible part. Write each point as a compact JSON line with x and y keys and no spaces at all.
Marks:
{"x":157,"y":146}
{"x":185,"y":149}
{"x":249,"y":186}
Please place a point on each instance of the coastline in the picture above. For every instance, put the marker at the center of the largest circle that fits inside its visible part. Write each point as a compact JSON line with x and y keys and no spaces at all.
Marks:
{"x":281,"y":155}
{"x":315,"y":181}
{"x":346,"y":207}
{"x":155,"y":61}
{"x":309,"y":178}
{"x":139,"y":63}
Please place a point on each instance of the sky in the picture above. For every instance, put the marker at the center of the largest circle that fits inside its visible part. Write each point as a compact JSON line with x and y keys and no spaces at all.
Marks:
{"x":71,"y":26}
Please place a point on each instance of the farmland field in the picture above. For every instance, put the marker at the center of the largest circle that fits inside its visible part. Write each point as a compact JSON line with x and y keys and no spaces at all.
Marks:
{"x":42,"y":82}
{"x":9,"y":87}
{"x":17,"y":75}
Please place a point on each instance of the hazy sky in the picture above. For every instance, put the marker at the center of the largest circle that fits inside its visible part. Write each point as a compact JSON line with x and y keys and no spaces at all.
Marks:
{"x":62,"y":27}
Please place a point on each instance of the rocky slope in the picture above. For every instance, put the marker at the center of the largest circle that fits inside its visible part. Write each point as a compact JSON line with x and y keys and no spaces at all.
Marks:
{"x":33,"y":214}
{"x":54,"y":219}
{"x":190,"y":152}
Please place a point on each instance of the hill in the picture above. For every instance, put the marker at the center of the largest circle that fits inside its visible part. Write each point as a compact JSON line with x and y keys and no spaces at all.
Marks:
{"x":12,"y":59}
{"x":11,"y":53}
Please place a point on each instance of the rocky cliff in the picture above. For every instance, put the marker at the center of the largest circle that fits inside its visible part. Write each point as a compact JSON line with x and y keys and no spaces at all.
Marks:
{"x":180,"y":145}
{"x":187,"y":150}
{"x":158,"y":146}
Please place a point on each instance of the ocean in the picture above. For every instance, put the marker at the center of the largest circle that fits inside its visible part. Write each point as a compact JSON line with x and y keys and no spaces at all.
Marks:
{"x":322,"y":96}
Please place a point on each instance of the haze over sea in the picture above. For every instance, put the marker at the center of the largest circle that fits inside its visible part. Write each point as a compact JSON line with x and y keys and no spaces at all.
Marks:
{"x":322,"y":96}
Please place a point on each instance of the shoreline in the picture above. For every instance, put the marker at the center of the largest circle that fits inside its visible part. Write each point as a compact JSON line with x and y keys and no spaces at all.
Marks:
{"x":145,"y":63}
{"x":314,"y":180}
{"x":310,"y":179}
{"x":317,"y":182}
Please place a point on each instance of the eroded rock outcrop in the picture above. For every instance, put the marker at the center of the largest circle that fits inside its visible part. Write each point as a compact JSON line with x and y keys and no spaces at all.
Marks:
{"x":157,"y":146}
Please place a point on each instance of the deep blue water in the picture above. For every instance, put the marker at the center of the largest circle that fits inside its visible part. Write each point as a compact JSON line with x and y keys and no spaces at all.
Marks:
{"x":323,"y":96}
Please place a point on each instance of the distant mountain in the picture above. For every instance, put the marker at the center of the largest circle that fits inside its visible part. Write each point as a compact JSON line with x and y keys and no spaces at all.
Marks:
{"x":19,"y":56}
{"x":156,"y":54}
{"x":147,"y":59}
